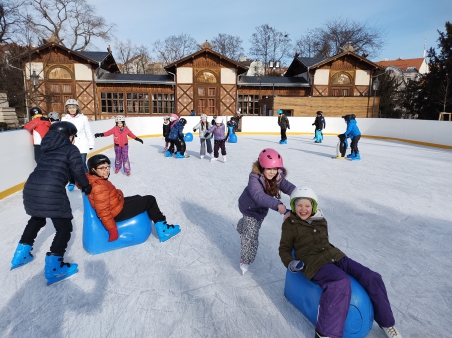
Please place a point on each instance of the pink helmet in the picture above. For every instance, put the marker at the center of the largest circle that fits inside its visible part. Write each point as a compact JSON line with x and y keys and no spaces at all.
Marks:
{"x":270,"y":158}
{"x":174,"y":117}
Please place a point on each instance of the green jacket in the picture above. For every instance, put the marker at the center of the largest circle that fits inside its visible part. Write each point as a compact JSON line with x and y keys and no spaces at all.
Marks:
{"x":310,"y":242}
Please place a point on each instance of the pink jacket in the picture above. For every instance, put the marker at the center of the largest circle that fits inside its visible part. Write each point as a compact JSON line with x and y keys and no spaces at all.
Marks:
{"x":120,"y":138}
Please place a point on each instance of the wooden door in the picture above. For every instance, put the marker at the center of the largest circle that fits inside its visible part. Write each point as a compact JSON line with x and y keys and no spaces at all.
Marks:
{"x":207,"y":100}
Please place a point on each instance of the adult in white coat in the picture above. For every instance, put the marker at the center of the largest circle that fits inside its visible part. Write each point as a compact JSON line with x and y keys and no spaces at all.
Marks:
{"x":84,"y":140}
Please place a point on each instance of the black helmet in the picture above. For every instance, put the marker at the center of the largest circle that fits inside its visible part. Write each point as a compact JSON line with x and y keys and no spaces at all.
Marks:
{"x":95,"y":160}
{"x":347,"y":117}
{"x":319,"y":112}
{"x":35,"y":110}
{"x":183,"y":121}
{"x":65,"y":127}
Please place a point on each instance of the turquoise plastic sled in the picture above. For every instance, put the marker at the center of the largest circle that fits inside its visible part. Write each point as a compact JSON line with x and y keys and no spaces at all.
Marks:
{"x":188,"y":137}
{"x":232,"y":135}
{"x":305,"y":295}
{"x":132,"y":231}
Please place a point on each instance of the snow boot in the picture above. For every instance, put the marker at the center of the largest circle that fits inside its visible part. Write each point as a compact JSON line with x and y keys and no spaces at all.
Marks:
{"x":70,"y":186}
{"x":56,"y":269}
{"x":168,"y":154}
{"x":224,"y":158}
{"x":166,"y":231}
{"x":351,"y":155}
{"x":22,"y":256}
{"x":318,"y":335}
{"x":213,"y":159}
{"x":357,"y":157}
{"x":391,"y":332}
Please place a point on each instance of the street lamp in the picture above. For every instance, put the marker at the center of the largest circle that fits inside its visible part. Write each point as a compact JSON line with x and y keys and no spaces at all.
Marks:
{"x":35,"y":81}
{"x":375,"y":86}
{"x":273,"y":65}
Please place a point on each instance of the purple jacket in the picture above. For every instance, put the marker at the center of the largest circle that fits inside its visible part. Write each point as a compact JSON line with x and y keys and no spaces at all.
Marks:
{"x":218,"y":132}
{"x":254,"y":202}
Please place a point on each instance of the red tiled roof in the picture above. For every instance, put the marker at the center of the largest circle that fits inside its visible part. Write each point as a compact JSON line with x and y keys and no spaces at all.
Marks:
{"x":402,"y":63}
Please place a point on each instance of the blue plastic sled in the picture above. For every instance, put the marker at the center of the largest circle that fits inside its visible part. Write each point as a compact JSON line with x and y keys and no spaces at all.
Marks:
{"x":232,"y":135}
{"x":318,"y":136}
{"x":188,"y":137}
{"x":133,"y":231}
{"x":305,"y":295}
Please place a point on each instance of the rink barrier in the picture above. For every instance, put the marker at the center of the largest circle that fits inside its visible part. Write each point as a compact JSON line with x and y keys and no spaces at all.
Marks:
{"x":132,"y":231}
{"x":437,"y":134}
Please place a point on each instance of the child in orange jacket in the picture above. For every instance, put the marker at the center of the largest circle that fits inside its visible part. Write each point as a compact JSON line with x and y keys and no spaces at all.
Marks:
{"x":120,"y":133}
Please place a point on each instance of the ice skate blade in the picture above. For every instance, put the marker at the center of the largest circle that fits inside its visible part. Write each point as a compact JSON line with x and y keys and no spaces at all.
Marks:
{"x":339,"y":158}
{"x":19,"y":265}
{"x":168,"y":238}
{"x":54,"y":280}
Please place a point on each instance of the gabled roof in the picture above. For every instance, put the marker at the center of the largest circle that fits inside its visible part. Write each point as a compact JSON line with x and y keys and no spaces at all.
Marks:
{"x":136,"y":78}
{"x":269,"y":81}
{"x":104,"y":59}
{"x":402,"y":63}
{"x":241,"y":69}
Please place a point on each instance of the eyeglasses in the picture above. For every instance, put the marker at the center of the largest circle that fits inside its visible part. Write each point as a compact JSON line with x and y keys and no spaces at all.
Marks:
{"x":103,"y":168}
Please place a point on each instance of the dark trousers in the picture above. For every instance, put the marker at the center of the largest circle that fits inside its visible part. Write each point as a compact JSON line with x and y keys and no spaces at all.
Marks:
{"x":217,"y":145}
{"x":135,"y":205}
{"x":283,"y":133}
{"x":180,"y":146}
{"x":38,"y":152}
{"x":336,"y":293}
{"x":354,"y":144}
{"x":63,"y":227}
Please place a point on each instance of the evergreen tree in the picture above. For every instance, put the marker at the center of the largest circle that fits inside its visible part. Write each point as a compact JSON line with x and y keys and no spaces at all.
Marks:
{"x":389,"y":97}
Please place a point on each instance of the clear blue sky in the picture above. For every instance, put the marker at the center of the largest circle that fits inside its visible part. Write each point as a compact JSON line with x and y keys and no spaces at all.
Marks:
{"x":407,"y":23}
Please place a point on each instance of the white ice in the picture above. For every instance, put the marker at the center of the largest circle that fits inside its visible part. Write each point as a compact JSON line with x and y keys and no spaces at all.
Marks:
{"x":391,"y":211}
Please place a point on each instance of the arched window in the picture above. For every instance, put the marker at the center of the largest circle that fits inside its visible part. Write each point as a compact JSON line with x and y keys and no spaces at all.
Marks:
{"x":59,"y":73}
{"x":61,"y":85}
{"x":340,"y":79}
{"x":206,"y":77}
{"x":341,"y":85}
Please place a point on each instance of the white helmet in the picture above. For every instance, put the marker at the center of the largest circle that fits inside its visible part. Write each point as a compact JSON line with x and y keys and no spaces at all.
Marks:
{"x":53,"y":116}
{"x":304,"y":192}
{"x":120,"y":118}
{"x":219,"y":119}
{"x":71,"y":101}
{"x":203,"y":116}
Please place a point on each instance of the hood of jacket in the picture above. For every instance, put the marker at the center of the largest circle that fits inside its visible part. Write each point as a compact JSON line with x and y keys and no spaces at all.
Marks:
{"x":54,"y":140}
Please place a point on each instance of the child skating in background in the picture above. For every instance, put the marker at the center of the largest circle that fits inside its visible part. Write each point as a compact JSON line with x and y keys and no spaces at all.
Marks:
{"x":45,"y":196}
{"x":111,"y":206}
{"x":176,"y":137}
{"x":355,"y":135}
{"x":266,"y":182}
{"x":305,"y":232}
{"x":219,"y":134}
{"x":120,"y":134}
{"x":283,"y":123}
{"x":319,"y":124}
{"x":203,"y":127}
{"x":38,"y":127}
{"x":166,"y":131}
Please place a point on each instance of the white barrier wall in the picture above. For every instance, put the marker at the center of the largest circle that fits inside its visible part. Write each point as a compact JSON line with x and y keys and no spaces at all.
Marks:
{"x":17,"y":157}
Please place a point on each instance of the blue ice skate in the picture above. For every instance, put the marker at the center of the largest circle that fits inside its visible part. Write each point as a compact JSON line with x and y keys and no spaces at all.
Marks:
{"x":357,"y":157}
{"x":166,"y":231}
{"x":70,"y":186}
{"x":351,"y":155}
{"x":283,"y":142}
{"x":168,"y":154}
{"x":22,"y":256}
{"x":56,"y":269}
{"x":178,"y":155}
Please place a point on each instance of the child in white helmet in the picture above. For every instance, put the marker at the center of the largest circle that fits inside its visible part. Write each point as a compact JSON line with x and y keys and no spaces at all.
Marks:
{"x":219,"y":135}
{"x":84,"y":139}
{"x":120,"y":134}
{"x":203,"y":127}
{"x":305,"y":232}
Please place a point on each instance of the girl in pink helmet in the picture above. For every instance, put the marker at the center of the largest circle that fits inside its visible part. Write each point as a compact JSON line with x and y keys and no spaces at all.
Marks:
{"x":266,"y":182}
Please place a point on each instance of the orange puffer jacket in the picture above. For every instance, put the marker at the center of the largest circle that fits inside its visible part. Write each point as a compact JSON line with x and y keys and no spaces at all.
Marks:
{"x":105,"y":199}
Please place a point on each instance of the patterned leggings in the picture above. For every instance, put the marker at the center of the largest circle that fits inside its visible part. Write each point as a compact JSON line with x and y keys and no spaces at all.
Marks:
{"x":122,"y":157}
{"x":248,"y":228}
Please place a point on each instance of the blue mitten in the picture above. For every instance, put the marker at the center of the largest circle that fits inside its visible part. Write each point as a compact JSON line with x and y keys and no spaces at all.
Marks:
{"x":295,"y":266}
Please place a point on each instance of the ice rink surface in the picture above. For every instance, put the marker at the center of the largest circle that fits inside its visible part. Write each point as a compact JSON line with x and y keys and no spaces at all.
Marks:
{"x":391,"y":211}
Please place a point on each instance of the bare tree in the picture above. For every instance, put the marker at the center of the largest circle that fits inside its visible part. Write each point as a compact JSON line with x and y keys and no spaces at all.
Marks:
{"x":124,"y":52}
{"x":268,"y":44}
{"x":337,"y":33}
{"x":308,"y":45}
{"x":72,"y":23}
{"x":228,"y":45}
{"x":142,"y":60}
{"x":174,"y":48}
{"x":10,"y":19}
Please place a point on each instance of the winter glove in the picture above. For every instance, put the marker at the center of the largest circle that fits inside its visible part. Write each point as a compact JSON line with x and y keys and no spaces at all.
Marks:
{"x":87,"y":189}
{"x":194,"y":129}
{"x":99,"y":135}
{"x":295,"y":266}
{"x":206,"y":135}
{"x":114,"y":234}
{"x":288,"y":127}
{"x":139,"y":140}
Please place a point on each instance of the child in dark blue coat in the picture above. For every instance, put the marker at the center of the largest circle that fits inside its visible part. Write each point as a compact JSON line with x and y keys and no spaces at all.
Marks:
{"x":176,"y":137}
{"x":355,"y":135}
{"x":45,"y":197}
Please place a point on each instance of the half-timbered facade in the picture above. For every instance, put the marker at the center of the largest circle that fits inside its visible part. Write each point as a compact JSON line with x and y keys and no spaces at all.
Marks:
{"x":205,"y":81}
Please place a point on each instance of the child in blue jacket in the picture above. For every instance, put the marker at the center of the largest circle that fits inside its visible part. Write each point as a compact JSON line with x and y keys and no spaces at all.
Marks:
{"x":354,"y":134}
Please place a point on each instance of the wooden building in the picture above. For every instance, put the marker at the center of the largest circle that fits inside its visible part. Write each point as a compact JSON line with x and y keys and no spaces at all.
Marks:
{"x":205,"y":81}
